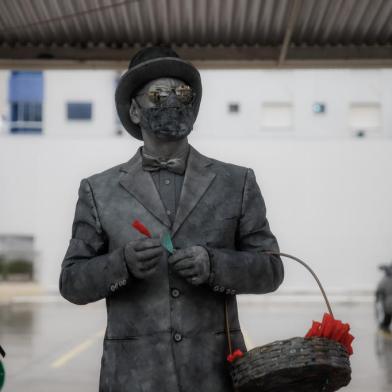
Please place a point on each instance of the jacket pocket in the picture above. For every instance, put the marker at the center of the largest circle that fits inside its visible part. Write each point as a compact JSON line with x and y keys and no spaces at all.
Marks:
{"x":118,"y":367}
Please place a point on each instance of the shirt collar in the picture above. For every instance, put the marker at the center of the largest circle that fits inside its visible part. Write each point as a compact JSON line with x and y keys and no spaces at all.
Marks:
{"x":184,"y":154}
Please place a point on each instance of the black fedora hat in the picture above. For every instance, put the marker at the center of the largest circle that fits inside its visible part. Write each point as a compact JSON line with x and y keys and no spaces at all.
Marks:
{"x":148,"y":64}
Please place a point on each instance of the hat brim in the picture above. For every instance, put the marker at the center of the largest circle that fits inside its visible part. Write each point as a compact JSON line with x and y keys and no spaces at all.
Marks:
{"x":136,"y":77}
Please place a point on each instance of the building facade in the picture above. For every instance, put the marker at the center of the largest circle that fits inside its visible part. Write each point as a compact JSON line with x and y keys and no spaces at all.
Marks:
{"x":319,"y":141}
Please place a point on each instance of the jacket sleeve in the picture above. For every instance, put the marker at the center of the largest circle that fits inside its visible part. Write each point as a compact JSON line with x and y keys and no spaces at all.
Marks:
{"x":247,"y":269}
{"x":88,"y":272}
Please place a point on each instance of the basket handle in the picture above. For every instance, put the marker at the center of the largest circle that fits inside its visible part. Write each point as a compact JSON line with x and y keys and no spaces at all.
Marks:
{"x":227,"y":326}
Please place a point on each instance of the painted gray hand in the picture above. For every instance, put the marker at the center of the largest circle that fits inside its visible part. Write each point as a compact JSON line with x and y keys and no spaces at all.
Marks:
{"x":191,"y":263}
{"x":142,"y":256}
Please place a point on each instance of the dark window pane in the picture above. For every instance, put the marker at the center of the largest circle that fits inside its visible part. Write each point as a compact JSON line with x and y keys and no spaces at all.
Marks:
{"x":26,"y":130}
{"x":38,"y":113}
{"x":26,"y":111}
{"x":234,"y":107}
{"x":14,"y":111}
{"x":79,"y":111}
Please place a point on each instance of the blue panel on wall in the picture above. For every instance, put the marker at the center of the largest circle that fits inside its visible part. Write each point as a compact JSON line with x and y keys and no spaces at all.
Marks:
{"x":28,"y":130}
{"x":26,"y":86}
{"x":79,"y":110}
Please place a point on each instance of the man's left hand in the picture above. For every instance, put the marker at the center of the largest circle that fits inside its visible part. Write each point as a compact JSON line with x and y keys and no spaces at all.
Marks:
{"x":191,"y":263}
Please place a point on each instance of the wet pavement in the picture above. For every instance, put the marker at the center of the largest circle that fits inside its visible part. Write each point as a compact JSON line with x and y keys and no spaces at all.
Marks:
{"x":56,"y":346}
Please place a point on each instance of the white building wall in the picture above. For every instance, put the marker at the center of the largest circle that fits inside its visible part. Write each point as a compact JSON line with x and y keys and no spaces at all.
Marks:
{"x":4,"y":108}
{"x":328,"y":195}
{"x":93,"y":86}
{"x":302,"y":88}
{"x":328,"y":202}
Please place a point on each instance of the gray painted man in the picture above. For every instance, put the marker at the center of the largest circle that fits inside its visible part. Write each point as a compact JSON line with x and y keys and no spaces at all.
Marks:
{"x":165,"y":312}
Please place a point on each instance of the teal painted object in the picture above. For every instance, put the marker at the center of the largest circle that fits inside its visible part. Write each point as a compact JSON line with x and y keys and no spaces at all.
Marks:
{"x":2,"y":375}
{"x":167,"y":243}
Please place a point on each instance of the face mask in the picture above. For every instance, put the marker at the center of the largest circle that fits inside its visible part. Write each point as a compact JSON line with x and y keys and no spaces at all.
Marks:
{"x":168,"y":122}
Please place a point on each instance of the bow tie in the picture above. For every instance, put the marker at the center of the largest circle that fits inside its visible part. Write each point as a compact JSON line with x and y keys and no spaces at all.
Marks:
{"x":175,"y":165}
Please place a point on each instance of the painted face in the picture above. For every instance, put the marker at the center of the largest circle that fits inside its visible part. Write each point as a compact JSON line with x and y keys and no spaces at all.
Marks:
{"x":165,"y":106}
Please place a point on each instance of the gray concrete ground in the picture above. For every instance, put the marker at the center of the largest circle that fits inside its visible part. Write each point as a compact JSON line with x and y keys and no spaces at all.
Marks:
{"x":56,"y":346}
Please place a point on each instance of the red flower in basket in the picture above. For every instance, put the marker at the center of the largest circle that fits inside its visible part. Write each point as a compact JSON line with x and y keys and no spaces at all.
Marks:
{"x":332,"y":329}
{"x":236,"y":354}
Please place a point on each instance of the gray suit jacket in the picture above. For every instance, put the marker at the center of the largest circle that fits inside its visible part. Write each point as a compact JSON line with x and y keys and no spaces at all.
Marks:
{"x":164,"y":334}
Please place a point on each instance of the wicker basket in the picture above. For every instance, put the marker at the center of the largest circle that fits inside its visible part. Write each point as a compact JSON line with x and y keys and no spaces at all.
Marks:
{"x":293,"y":365}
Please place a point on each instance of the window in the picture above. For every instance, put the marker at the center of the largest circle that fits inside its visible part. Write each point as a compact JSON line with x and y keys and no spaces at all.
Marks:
{"x":365,"y":119}
{"x":25,"y":99}
{"x":365,"y":115}
{"x":234,"y":108}
{"x":26,"y":117}
{"x":79,"y":110}
{"x":17,"y":256}
{"x":277,"y":115}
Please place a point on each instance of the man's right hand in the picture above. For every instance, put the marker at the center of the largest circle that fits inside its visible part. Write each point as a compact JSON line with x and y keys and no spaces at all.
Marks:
{"x":142,"y":256}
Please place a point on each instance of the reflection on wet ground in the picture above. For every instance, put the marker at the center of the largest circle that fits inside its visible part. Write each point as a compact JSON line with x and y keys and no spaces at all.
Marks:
{"x":383,"y":346}
{"x":57,"y":346}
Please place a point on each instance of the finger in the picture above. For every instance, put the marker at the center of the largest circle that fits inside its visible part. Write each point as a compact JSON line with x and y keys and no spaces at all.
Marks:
{"x":187,"y":273}
{"x":146,"y":243}
{"x":194,"y":280}
{"x":149,"y":253}
{"x":150,"y":268}
{"x":148,"y":272}
{"x":147,"y":264}
{"x":179,"y":255}
{"x":182,"y":260}
{"x":184,"y":264}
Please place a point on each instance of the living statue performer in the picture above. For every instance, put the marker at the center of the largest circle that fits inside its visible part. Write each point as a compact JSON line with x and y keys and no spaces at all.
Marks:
{"x":165,"y":311}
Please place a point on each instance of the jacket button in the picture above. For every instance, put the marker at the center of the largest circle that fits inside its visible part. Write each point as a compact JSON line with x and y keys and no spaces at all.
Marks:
{"x":175,"y":293}
{"x":232,"y":292}
{"x":113,"y":287}
{"x":221,"y":289}
{"x":216,"y":288}
{"x":177,"y":337}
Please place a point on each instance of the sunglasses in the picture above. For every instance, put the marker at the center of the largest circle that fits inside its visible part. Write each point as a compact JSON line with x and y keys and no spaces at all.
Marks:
{"x":158,"y":95}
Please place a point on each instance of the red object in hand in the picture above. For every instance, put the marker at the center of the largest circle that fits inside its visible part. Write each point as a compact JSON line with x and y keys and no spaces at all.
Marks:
{"x":141,"y":228}
{"x":332,"y":329}
{"x":236,"y":354}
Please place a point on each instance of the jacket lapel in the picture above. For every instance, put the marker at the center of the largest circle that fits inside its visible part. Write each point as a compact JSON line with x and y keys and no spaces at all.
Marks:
{"x":197,"y":179}
{"x":139,"y":183}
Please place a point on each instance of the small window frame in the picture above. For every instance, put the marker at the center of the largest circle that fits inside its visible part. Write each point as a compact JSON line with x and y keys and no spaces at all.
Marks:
{"x":79,"y":111}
